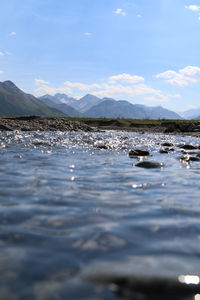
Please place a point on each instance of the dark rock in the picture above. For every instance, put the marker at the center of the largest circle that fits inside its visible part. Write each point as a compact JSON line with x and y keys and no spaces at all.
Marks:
{"x":170,"y":128}
{"x":138,"y":152}
{"x":102,"y":147}
{"x":149,"y":165}
{"x":196,"y":128}
{"x":167,"y":145}
{"x":169,"y":149}
{"x":190,"y":152}
{"x":186,"y":127}
{"x":193,"y":158}
{"x":162,"y":151}
{"x":3,"y":127}
{"x":187,"y":158}
{"x":188,"y":147}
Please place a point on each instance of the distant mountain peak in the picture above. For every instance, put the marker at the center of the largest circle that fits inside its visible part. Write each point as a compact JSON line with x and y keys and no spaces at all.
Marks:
{"x":60,"y":95}
{"x":107,"y":98}
{"x":8,"y":82}
{"x":89,"y":96}
{"x":10,"y":87}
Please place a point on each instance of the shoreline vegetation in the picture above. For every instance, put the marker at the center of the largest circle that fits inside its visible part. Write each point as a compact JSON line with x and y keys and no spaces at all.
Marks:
{"x":33,"y":123}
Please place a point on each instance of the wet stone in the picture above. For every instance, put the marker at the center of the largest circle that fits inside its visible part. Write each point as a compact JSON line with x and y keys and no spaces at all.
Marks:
{"x":149,"y":165}
{"x":138,"y":152}
{"x":163,"y":151}
{"x":188,"y":147}
{"x":169,"y":149}
{"x":167,"y":144}
{"x":187,"y":158}
{"x":102,"y":147}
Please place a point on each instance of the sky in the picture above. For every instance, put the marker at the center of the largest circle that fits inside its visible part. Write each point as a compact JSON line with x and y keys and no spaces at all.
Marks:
{"x":143,"y":51}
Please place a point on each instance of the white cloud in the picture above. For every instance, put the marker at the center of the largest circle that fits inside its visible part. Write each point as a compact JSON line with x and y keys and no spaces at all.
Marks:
{"x":44,"y":89}
{"x":121,"y":86}
{"x":159,"y":97}
{"x":183,"y":77}
{"x":193,"y":7}
{"x":82,"y":86}
{"x":120,"y":91}
{"x":40,"y":81}
{"x":87,"y":33}
{"x":126,"y":78}
{"x":5,"y":53}
{"x":119,"y":11}
{"x":13,"y":33}
{"x":139,"y":16}
{"x":1,"y":72}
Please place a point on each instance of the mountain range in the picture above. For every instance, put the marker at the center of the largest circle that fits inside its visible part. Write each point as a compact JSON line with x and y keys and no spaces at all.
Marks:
{"x":13,"y":101}
{"x":94,"y":107}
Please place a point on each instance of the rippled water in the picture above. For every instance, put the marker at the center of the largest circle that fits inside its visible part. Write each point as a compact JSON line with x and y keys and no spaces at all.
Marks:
{"x":75,"y":218}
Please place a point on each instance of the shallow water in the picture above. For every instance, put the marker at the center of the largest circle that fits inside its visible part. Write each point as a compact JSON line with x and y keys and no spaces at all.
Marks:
{"x":75,"y":218}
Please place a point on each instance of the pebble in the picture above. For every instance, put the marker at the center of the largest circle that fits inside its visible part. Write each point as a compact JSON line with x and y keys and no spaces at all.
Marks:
{"x":138,"y":152}
{"x":149,"y":164}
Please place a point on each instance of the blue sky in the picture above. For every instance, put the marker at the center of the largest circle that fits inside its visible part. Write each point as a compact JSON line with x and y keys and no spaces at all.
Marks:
{"x":144,"y":51}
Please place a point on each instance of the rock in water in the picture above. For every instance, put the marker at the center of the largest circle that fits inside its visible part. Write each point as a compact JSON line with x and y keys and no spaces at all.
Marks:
{"x":149,"y":165}
{"x":188,"y":158}
{"x":102,"y":147}
{"x":167,"y":144}
{"x":188,"y":147}
{"x":138,"y":152}
{"x":163,"y":151}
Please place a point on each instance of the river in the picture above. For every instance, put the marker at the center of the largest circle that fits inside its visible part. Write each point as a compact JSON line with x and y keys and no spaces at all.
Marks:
{"x":79,"y":219}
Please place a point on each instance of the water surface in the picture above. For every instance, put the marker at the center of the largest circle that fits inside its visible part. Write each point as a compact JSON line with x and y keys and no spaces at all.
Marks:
{"x":71,"y":212}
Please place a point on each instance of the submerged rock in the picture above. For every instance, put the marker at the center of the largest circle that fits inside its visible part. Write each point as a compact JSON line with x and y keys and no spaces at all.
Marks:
{"x":138,"y":152}
{"x":149,"y":165}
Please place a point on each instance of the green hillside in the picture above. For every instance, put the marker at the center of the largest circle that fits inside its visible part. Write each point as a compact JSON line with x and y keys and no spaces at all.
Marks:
{"x":14,"y":101}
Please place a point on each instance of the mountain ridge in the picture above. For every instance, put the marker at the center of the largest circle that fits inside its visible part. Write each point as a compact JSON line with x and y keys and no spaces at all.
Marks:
{"x":14,"y":101}
{"x":118,"y":107}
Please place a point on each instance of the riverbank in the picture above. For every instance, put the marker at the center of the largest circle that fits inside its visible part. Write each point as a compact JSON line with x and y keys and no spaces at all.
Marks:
{"x":185,"y":127}
{"x":33,"y":123}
